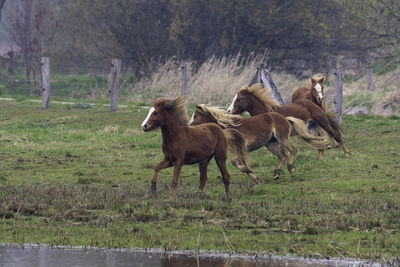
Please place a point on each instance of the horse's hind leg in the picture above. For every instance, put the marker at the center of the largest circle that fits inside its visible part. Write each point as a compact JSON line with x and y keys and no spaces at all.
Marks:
{"x":203,"y":174}
{"x":174,"y":182}
{"x":292,"y":157}
{"x":278,"y":150}
{"x":162,"y":165}
{"x":283,"y":138}
{"x":335,"y":134}
{"x":220,"y":159}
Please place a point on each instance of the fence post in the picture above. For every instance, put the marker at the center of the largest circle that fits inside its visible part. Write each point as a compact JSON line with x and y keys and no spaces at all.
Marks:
{"x":184,"y":78}
{"x":256,"y":78}
{"x":370,"y":86}
{"x":269,"y":83}
{"x":339,"y":94}
{"x":114,"y":83}
{"x":45,"y":67}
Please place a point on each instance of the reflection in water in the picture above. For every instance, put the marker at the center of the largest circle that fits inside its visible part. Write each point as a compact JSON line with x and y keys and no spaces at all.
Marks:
{"x":47,"y":257}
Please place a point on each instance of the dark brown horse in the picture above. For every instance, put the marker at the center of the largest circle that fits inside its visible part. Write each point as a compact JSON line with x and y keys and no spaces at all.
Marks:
{"x":256,"y":100}
{"x":315,"y":93}
{"x":183,"y":145}
{"x":271,"y":130}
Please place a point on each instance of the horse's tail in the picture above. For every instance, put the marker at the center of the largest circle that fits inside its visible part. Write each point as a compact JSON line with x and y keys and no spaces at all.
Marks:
{"x":237,"y":145}
{"x":300,"y":127}
{"x":334,"y":123}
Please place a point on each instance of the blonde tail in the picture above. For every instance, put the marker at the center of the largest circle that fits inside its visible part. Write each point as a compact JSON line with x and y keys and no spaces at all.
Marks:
{"x":300,"y":127}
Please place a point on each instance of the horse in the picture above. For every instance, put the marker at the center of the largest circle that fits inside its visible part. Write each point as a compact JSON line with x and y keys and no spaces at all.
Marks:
{"x":256,"y":100}
{"x":184,"y":145}
{"x":271,"y":130}
{"x":315,"y":93}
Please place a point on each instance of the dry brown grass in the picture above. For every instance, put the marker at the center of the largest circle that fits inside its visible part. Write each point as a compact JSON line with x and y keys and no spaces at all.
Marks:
{"x":216,"y":81}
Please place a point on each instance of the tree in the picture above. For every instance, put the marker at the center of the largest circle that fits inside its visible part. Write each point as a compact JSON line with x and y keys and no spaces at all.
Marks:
{"x":373,"y":26}
{"x":2,"y":2}
{"x":30,"y":27}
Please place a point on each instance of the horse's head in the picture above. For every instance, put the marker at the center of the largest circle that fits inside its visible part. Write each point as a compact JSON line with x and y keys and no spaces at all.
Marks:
{"x":201,"y":115}
{"x":240,"y":102}
{"x":317,"y":89}
{"x":156,"y":117}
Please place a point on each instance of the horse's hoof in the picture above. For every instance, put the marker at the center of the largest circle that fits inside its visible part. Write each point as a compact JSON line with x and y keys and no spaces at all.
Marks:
{"x":153,"y":187}
{"x":291,"y":168}
{"x":328,"y":147}
{"x":258,"y":180}
{"x":276,"y":174}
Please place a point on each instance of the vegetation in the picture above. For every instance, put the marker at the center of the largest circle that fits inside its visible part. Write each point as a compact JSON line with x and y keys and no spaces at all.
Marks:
{"x":82,"y":177}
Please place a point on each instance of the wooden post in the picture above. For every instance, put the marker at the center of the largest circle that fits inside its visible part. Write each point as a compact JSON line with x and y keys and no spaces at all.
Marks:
{"x":269,"y":83}
{"x":370,"y":86}
{"x":114,"y":83}
{"x":184,"y":79}
{"x":339,"y":94}
{"x":45,"y":67}
{"x":256,"y":78}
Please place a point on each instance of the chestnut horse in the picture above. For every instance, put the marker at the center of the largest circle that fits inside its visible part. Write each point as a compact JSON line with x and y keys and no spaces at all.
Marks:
{"x":315,"y":93}
{"x":256,"y":100}
{"x":271,"y":130}
{"x":183,"y":145}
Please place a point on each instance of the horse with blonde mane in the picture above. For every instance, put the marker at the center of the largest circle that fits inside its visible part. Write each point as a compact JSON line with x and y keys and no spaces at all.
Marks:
{"x":256,"y":100}
{"x":183,"y":145}
{"x":271,"y":130}
{"x":315,"y":93}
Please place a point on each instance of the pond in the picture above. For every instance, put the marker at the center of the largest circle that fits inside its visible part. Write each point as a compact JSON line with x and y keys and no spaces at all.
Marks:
{"x":45,"y":256}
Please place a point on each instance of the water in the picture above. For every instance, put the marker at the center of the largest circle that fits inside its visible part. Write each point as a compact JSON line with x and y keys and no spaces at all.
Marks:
{"x":33,"y":256}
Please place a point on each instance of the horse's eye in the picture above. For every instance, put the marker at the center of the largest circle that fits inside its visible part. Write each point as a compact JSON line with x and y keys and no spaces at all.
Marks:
{"x":155,"y":113}
{"x":195,"y":116}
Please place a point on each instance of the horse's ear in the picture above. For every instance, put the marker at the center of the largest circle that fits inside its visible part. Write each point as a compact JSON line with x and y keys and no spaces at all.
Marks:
{"x":321,"y":80}
{"x":313,"y":81}
{"x":198,"y":107}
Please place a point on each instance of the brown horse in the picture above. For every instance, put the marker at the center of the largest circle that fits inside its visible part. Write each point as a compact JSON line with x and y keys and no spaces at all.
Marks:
{"x":315,"y":93}
{"x":183,"y":145}
{"x":271,"y":130}
{"x":256,"y":100}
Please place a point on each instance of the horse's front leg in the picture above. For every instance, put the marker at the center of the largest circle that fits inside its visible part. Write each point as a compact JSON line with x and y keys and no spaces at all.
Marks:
{"x":174,"y":182}
{"x":162,"y":165}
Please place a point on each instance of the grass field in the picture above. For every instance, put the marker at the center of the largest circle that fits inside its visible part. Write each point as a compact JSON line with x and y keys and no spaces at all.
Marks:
{"x":82,"y":177}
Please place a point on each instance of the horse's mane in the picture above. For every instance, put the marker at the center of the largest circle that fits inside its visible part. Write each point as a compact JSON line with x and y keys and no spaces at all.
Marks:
{"x":224,"y":119}
{"x":177,"y":108}
{"x":259,"y":92}
{"x":318,"y":76}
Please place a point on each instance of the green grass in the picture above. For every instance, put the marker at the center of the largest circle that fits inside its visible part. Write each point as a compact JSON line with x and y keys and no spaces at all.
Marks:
{"x":69,"y":86}
{"x":82,"y":177}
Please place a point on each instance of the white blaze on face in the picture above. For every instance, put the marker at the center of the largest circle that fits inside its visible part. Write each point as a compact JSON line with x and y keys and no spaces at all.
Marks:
{"x":319,"y":90}
{"x":230,"y":109}
{"x":192,"y":118}
{"x":148,"y":117}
